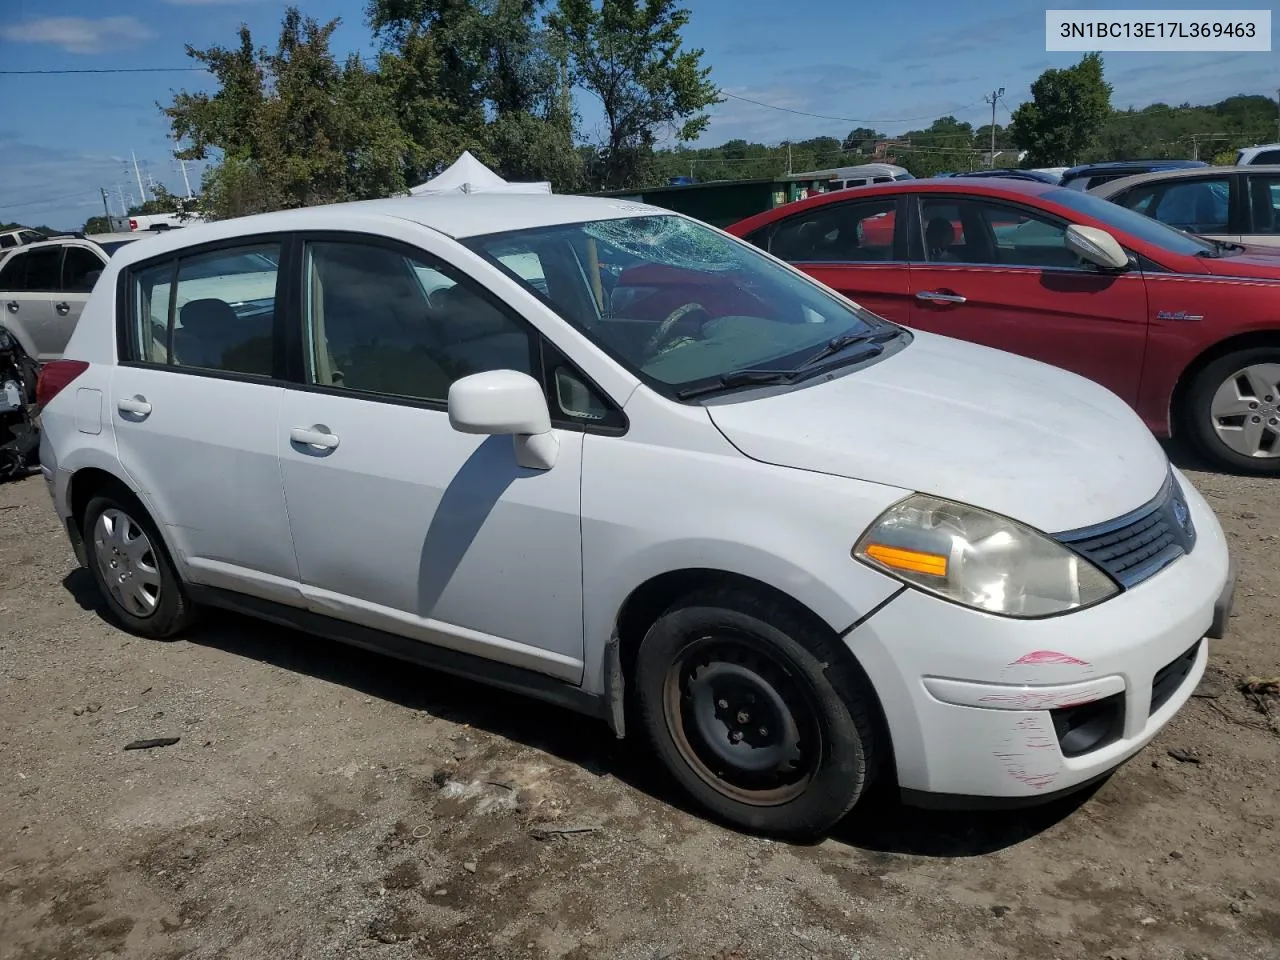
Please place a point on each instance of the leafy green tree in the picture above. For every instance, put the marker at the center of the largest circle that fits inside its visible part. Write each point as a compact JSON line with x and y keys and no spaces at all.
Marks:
{"x":862,"y":139}
{"x":629,"y":54}
{"x":96,"y":225}
{"x":1065,"y":115}
{"x":290,"y":127}
{"x":480,"y":75}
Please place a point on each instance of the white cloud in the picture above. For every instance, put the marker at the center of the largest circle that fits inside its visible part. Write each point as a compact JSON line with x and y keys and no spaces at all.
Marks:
{"x":80,"y":34}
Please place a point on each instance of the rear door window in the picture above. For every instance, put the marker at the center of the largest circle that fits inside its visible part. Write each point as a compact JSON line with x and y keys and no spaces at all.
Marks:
{"x":80,"y":270}
{"x":838,"y":233}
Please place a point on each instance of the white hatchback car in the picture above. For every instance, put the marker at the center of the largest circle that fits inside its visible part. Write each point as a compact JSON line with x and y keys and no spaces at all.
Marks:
{"x":607,"y":455}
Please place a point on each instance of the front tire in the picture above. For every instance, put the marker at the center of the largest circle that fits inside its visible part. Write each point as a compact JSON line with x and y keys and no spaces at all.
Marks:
{"x":1233,"y":411}
{"x":756,"y":712}
{"x":132,"y":569}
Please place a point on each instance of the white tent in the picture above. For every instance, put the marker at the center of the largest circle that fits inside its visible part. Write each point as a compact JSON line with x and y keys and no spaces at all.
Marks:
{"x":469,"y":175}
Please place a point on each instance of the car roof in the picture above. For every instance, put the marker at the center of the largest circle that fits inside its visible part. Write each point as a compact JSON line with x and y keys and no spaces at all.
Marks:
{"x":454,"y":215}
{"x":997,"y":187}
{"x":1112,"y":187}
{"x":1114,"y":165}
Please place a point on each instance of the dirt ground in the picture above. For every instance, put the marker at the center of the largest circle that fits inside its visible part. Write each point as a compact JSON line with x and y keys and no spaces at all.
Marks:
{"x":323,"y":802}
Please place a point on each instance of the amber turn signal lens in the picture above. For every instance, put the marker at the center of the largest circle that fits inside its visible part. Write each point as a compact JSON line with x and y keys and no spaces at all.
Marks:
{"x":933,"y":564}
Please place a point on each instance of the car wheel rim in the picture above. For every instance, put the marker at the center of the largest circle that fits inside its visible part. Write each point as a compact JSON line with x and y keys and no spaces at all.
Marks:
{"x":1245,"y":411}
{"x":742,"y":721}
{"x":127,"y":562}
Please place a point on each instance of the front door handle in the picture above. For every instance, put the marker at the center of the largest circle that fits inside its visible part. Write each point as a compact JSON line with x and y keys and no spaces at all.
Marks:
{"x":935,"y":296}
{"x":135,"y":405}
{"x":318,"y":437}
{"x":12,"y":306}
{"x":63,"y":308}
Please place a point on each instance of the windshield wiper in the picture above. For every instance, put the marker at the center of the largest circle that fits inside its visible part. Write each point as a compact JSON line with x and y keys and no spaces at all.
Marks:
{"x":841,"y":343}
{"x":739,"y":378}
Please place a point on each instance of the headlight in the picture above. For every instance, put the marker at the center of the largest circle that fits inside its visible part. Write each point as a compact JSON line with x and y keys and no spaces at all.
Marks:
{"x":981,"y":559}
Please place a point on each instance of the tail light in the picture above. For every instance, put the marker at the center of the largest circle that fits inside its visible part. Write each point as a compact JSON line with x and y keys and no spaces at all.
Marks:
{"x":133,"y":224}
{"x":54,"y":376}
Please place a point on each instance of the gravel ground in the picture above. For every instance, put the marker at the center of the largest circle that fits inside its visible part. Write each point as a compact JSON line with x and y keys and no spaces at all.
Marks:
{"x":324,"y":802}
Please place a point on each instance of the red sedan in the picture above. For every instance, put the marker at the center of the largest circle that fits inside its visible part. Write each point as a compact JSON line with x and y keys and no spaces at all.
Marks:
{"x":1186,"y":330}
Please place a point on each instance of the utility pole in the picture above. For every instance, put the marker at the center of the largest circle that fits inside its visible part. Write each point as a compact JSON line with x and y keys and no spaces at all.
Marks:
{"x":106,"y":207}
{"x":143,"y":193}
{"x":1278,"y":113}
{"x":124,"y":210}
{"x":183,"y":163}
{"x":995,"y":95}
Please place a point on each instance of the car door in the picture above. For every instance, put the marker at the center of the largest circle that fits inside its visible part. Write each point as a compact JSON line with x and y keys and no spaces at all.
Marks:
{"x":1000,"y":274}
{"x":81,"y":267}
{"x":402,"y":523}
{"x":856,"y":247}
{"x":1204,"y":205}
{"x":1261,"y":209}
{"x":28,"y":284}
{"x":194,"y":405}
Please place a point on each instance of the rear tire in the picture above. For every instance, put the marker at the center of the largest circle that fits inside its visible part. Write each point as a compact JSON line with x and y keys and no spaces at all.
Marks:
{"x":1233,"y":411}
{"x":756,"y":712}
{"x":132,"y":569}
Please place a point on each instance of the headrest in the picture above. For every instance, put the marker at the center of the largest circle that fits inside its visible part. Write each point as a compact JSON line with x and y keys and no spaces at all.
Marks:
{"x":209,"y":318}
{"x":464,"y":315}
{"x":939,"y":233}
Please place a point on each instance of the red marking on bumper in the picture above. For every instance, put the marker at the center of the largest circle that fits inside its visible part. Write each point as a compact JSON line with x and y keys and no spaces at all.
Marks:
{"x":1037,"y":657}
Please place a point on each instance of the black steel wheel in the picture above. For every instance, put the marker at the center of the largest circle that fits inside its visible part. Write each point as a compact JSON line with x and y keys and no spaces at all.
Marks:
{"x":740,"y":722}
{"x":757,"y":713}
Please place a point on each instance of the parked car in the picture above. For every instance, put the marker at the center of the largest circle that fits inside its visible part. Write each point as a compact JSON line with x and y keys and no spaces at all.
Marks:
{"x":1266,"y":154}
{"x":1235,"y":204}
{"x":797,"y":548}
{"x":1089,"y":175}
{"x":9,"y":239}
{"x":44,"y":287}
{"x":1182,"y":329}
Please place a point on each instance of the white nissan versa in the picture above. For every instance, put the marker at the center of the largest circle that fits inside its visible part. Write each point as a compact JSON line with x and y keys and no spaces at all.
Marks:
{"x":607,"y":455}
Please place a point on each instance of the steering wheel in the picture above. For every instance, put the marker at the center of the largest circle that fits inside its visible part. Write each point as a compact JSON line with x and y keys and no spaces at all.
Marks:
{"x":661,"y":335}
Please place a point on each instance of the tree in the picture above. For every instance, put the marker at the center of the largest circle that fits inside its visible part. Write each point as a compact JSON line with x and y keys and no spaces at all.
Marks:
{"x":1065,"y":114}
{"x":628,"y":54}
{"x":480,"y":75}
{"x":290,"y":127}
{"x":862,"y":139}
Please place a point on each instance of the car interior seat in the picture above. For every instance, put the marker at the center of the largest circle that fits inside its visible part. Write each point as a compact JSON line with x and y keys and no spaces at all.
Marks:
{"x":939,"y":235}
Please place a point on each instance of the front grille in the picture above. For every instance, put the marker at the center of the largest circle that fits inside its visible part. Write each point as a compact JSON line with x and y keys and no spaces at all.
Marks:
{"x":1170,"y":677}
{"x":1138,"y":545}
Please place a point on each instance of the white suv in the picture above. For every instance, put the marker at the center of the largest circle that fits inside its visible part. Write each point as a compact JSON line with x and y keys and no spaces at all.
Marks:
{"x":607,"y":455}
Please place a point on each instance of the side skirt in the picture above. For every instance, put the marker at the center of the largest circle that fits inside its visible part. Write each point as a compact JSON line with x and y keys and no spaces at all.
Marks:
{"x":500,"y":675}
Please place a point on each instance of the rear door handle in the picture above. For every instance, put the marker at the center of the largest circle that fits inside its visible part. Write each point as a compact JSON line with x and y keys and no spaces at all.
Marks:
{"x":935,"y":296}
{"x":317,"y":436}
{"x":63,"y":308}
{"x":136,"y":405}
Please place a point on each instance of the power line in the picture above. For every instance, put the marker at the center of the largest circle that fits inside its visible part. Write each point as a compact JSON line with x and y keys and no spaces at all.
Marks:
{"x":27,"y":73}
{"x":820,"y":116}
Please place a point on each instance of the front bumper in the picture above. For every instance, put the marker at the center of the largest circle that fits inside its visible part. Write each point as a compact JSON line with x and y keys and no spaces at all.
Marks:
{"x":980,"y":706}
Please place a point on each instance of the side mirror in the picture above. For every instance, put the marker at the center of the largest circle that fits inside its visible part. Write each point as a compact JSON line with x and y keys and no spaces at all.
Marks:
{"x":506,"y":403}
{"x":1097,"y":246}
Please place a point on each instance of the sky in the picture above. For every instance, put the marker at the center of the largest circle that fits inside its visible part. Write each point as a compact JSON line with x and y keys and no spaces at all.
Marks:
{"x":893,"y":66}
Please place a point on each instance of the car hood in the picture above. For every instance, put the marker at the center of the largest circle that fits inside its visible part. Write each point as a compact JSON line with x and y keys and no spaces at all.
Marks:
{"x":1256,"y":261}
{"x":961,"y":421}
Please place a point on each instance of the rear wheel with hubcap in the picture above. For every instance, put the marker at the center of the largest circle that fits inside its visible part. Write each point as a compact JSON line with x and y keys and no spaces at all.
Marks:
{"x":756,"y":713}
{"x":131,"y":567}
{"x":1233,"y":408}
